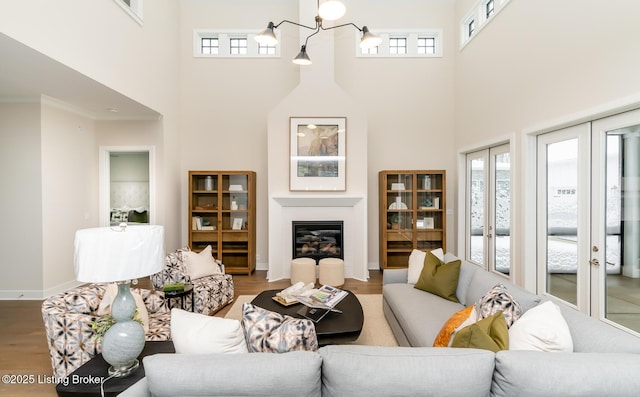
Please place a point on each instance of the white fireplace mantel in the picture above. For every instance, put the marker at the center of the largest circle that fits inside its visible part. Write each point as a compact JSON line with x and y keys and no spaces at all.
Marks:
{"x":317,"y":201}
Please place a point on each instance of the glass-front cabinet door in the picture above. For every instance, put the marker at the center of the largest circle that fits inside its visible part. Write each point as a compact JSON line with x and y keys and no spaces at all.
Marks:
{"x":222,"y":209}
{"x":412,"y":214}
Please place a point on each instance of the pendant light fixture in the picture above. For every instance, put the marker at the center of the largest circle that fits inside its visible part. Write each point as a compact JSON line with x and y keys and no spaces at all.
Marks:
{"x":329,"y":10}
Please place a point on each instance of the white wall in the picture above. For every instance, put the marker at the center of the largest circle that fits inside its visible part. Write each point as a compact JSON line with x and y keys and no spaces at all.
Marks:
{"x":21,"y":200}
{"x":543,"y":60}
{"x":69,"y":191}
{"x":539,"y":64}
{"x":408,"y":102}
{"x":99,"y":40}
{"x":224,"y":103}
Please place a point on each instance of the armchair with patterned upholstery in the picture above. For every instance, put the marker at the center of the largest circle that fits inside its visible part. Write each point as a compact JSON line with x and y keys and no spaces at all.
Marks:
{"x":67,"y":320}
{"x":211,"y":292}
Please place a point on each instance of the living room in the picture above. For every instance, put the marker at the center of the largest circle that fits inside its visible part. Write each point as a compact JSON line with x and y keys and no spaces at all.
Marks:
{"x":538,"y":66}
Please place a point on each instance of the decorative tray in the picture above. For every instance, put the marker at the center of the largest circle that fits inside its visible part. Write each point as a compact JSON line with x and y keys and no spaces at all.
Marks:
{"x":283,"y":302}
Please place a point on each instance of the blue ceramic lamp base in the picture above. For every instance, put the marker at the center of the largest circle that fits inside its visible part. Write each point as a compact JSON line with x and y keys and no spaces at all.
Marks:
{"x":124,"y":341}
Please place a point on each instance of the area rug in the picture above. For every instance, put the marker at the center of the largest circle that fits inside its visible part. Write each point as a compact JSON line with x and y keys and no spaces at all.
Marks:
{"x":375,"y":330}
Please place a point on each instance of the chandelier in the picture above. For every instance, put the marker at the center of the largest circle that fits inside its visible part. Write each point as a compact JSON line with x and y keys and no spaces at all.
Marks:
{"x":330,"y":10}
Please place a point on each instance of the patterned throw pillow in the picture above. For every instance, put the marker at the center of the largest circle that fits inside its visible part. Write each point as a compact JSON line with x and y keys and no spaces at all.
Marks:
{"x":270,"y":332}
{"x":496,"y":300}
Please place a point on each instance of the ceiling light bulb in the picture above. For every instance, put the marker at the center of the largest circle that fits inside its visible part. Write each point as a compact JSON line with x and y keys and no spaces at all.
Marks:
{"x":302,"y":58}
{"x":267,"y":36}
{"x":331,"y":10}
{"x":369,"y":39}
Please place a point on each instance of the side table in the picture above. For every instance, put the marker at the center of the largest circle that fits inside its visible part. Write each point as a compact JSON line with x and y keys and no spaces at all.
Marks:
{"x":188,"y":289}
{"x":86,"y":379}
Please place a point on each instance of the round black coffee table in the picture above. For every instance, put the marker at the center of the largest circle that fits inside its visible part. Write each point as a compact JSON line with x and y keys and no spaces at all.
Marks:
{"x":334,"y":328}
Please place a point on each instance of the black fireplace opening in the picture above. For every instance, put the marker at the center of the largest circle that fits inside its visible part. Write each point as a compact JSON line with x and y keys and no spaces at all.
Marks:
{"x":317,"y":239}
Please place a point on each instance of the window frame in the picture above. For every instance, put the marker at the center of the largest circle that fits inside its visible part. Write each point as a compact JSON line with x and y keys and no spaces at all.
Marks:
{"x":412,"y":39}
{"x":477,"y":16}
{"x":134,"y":9}
{"x":224,"y":37}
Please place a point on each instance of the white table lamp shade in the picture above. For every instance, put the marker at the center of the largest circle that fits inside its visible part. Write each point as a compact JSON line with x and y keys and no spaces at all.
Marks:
{"x":107,"y":254}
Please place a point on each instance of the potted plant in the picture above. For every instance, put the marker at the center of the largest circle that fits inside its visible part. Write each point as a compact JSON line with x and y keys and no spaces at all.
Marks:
{"x":395,"y":221}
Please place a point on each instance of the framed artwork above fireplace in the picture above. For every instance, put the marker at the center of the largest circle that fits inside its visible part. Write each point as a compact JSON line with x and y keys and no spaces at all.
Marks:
{"x":317,"y":153}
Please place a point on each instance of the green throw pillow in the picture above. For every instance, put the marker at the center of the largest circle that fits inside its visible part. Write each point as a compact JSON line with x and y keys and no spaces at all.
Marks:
{"x":490,"y":333}
{"x":439,"y":278}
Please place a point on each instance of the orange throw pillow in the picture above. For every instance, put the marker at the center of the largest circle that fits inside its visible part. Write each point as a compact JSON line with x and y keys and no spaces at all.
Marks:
{"x":442,"y":340}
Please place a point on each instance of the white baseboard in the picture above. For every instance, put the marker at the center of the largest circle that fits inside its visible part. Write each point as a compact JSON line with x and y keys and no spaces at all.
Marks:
{"x":37,"y":294}
{"x":12,"y":295}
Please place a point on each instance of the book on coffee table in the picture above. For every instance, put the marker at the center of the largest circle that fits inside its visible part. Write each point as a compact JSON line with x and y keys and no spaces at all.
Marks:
{"x":326,"y":297}
{"x":329,"y":296}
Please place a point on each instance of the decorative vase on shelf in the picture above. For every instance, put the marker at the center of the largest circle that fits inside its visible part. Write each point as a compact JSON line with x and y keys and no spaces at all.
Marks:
{"x":208,"y":183}
{"x":426,"y":183}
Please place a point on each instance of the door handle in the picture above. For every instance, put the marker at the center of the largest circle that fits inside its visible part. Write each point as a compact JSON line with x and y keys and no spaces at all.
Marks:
{"x":594,"y":262}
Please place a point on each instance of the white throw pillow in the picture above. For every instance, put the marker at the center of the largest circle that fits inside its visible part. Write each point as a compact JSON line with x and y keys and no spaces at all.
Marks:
{"x":416,"y":263}
{"x":194,"y":333}
{"x":110,"y":294}
{"x":201,"y":264}
{"x":541,"y":328}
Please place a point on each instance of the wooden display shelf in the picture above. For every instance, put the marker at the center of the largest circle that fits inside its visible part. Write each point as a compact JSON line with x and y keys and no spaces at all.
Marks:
{"x":211,"y":199}
{"x":412,"y":214}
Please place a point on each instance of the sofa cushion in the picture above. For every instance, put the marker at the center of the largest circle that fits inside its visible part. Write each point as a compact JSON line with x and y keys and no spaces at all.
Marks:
{"x":195,"y":333}
{"x":590,"y":335}
{"x":440,"y":278}
{"x":291,"y":374}
{"x":528,"y":373}
{"x":271,"y":332}
{"x":393,"y":371}
{"x":490,"y":333}
{"x":541,"y":328}
{"x":482,"y":281}
{"x":420,"y":314}
{"x":498,"y":299}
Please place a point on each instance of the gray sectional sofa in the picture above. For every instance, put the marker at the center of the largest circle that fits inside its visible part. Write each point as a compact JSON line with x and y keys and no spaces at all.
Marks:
{"x":606,"y":361}
{"x":372,"y":371}
{"x":416,"y":316}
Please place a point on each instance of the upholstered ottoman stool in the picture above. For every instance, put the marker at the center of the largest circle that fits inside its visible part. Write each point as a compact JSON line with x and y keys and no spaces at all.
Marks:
{"x":303,"y":269}
{"x":331,"y":272}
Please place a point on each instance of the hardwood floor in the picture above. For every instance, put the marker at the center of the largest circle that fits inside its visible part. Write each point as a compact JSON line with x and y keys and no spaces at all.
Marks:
{"x":23,"y":345}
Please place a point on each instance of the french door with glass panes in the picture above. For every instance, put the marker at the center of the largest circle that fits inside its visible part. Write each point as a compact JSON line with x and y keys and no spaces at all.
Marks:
{"x":589,"y":217}
{"x":488,"y":223}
